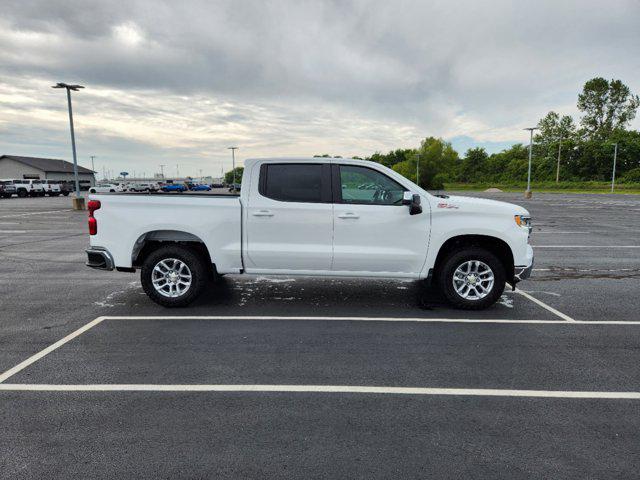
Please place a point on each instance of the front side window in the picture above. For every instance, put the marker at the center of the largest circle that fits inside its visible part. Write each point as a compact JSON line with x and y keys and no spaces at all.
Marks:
{"x":290,"y":182}
{"x":366,"y":186}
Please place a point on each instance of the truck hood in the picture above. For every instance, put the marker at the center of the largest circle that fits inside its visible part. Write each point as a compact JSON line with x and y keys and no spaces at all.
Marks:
{"x":480,"y":205}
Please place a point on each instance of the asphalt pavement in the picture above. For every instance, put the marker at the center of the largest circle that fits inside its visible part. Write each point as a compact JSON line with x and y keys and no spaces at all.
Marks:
{"x":582,"y":303}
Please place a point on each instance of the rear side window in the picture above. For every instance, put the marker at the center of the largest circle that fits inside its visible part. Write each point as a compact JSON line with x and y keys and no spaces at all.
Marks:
{"x":293,"y":182}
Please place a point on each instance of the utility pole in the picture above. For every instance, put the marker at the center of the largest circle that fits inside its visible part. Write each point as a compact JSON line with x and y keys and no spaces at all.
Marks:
{"x":78,"y":203}
{"x":92,"y":164}
{"x":527,"y":194}
{"x":558,"y":168}
{"x":233,"y":164}
{"x":177,"y":170}
{"x":162,"y":170}
{"x":615,"y":156}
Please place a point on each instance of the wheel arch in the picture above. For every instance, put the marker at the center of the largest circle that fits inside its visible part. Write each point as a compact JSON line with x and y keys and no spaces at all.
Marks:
{"x":152,"y":240}
{"x":495,"y":245}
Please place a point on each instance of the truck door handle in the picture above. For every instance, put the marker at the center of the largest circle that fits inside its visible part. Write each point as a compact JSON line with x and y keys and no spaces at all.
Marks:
{"x":349,"y":215}
{"x":263,"y":213}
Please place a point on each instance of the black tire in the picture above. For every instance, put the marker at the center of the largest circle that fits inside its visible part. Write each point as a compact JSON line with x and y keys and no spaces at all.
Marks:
{"x":112,"y":191}
{"x":22,"y":193}
{"x":193,"y":261}
{"x":66,"y":194}
{"x":444,"y":278}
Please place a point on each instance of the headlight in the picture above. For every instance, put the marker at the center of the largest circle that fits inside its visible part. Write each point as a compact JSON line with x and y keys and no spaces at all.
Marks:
{"x":523,"y":221}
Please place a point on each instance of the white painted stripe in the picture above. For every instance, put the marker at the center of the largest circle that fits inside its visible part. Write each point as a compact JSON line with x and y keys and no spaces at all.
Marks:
{"x":540,"y":232}
{"x":384,"y":319}
{"x":13,"y":231}
{"x":545,"y":306}
{"x":49,"y":349}
{"x":585,"y":246}
{"x":34,"y":213}
{"x":488,"y":392}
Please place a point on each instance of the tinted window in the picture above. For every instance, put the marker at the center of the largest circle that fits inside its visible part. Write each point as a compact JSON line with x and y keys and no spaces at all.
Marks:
{"x":368,"y":186}
{"x":293,"y":182}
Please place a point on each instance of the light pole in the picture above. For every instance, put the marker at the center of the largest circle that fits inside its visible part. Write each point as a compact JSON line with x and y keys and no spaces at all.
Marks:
{"x":78,"y":203}
{"x":527,"y":194}
{"x":162,"y":170}
{"x":615,"y":156}
{"x":558,"y":168}
{"x":233,"y":164}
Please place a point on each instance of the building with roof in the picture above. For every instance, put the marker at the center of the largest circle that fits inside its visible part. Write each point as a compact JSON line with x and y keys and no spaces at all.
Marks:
{"x":16,"y":167}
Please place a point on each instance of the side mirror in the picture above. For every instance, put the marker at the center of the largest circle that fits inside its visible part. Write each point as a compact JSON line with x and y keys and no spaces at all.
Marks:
{"x":413,"y":201}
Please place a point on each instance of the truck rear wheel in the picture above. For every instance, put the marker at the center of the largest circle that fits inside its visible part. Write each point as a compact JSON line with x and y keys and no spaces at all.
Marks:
{"x":472,"y":279}
{"x":173,"y":276}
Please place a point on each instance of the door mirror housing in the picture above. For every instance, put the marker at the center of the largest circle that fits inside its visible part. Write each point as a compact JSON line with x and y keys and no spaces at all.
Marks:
{"x":413,"y":201}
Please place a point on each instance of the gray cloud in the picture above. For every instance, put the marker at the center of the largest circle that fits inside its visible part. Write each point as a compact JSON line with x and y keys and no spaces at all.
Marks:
{"x":463,"y":69}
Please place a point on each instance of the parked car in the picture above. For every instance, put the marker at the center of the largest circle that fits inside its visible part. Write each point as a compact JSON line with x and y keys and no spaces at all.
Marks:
{"x":105,"y":188}
{"x":174,"y":187}
{"x":143,"y":187}
{"x":24,"y":188}
{"x":235,"y":187}
{"x":7,"y":189}
{"x":51,"y":188}
{"x":217,"y":185}
{"x":201,"y":188}
{"x":294,"y":218}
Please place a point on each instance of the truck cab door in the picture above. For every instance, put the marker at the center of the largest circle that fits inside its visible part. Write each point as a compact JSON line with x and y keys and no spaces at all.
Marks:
{"x":289,"y":219}
{"x":374,"y":230}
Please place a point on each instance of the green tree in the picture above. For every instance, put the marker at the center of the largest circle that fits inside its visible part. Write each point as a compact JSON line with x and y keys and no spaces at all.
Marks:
{"x":393,"y":157}
{"x":437,"y":160}
{"x":606,"y":107}
{"x":473,"y":165}
{"x":228,"y":177}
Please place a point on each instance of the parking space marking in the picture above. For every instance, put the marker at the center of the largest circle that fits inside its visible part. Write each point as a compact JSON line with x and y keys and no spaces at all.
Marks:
{"x":34,"y":358}
{"x":382,"y":319}
{"x":549,"y":308}
{"x":49,"y":349}
{"x":34,"y":213}
{"x":356,"y":389}
{"x":585,"y":246}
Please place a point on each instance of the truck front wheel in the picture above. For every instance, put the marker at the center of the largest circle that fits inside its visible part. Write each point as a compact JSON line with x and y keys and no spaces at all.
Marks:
{"x":472,"y":278}
{"x":173,"y":276}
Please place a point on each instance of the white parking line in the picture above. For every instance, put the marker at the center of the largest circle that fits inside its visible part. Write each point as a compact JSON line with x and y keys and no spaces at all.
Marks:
{"x":565,"y":320}
{"x":34,"y":213}
{"x":549,"y":308}
{"x":585,"y":246}
{"x":21,"y":366}
{"x":482,"y":392}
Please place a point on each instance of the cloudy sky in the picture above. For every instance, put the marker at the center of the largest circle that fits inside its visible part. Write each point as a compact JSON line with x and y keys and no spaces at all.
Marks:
{"x":176,"y":83}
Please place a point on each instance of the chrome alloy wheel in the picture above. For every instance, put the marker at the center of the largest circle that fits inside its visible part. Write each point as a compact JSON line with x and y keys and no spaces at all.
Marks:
{"x":473,"y":280}
{"x":171,"y":277}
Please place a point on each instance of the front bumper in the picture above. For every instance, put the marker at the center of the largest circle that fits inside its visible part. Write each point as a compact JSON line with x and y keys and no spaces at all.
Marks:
{"x":522,"y":273}
{"x":99,"y":258}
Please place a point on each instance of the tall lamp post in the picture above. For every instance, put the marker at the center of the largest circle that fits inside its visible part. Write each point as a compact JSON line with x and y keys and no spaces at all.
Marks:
{"x":558,"y":167}
{"x":233,"y":164}
{"x":78,"y":202}
{"x":527,"y":194}
{"x":615,"y":157}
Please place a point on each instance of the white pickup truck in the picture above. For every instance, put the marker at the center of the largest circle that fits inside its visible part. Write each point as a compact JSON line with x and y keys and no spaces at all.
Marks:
{"x":314,"y":217}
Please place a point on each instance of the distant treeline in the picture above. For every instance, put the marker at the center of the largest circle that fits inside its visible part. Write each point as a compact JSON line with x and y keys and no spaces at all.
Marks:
{"x":586,"y":151}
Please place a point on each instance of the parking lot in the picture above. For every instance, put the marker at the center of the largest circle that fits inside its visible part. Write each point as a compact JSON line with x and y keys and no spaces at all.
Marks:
{"x":307,"y":378}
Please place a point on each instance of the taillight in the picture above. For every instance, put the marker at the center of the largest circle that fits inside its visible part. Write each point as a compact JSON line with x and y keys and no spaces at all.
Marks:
{"x":92,"y":206}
